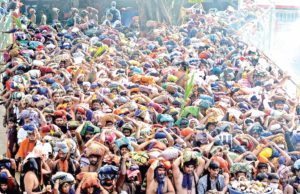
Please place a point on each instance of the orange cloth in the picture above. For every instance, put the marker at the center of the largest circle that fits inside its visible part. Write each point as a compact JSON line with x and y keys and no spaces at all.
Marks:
{"x":26,"y":146}
{"x":63,"y":165}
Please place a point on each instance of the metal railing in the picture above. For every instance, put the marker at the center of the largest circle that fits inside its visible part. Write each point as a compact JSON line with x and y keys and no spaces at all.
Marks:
{"x":5,"y":39}
{"x":260,"y":32}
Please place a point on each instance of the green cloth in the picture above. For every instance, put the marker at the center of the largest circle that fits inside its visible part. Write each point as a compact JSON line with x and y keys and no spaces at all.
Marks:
{"x":193,"y":110}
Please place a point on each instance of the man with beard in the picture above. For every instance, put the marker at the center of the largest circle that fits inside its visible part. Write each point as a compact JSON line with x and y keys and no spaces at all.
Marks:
{"x":64,"y":163}
{"x":107,"y":176}
{"x":130,"y":180}
{"x":27,"y":144}
{"x":60,"y":120}
{"x":94,"y":152}
{"x":157,"y":180}
{"x":186,"y":180}
{"x":83,"y":114}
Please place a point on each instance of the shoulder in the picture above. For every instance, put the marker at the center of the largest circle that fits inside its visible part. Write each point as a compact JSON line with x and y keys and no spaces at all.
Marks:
{"x":29,"y":176}
{"x":203,"y":178}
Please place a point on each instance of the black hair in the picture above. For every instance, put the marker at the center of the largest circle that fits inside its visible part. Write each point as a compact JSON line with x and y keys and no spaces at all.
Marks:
{"x":273,"y":176}
{"x":191,"y":162}
{"x":96,"y":101}
{"x":262,"y":165}
{"x":214,"y":165}
{"x":261,"y":176}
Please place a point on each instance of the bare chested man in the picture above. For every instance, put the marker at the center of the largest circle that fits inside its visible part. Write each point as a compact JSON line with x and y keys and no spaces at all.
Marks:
{"x":186,"y":180}
{"x":157,"y":181}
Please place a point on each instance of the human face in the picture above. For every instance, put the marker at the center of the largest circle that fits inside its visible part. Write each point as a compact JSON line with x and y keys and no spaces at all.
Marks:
{"x":61,"y":155}
{"x":214,"y":172}
{"x":124,"y":150}
{"x":263,"y":170}
{"x":279,"y":106}
{"x":73,"y":131}
{"x":4,"y":187}
{"x":88,"y":135}
{"x":59,"y":121}
{"x":240,"y":175}
{"x":96,"y":106}
{"x":298,"y":173}
{"x":189,"y":169}
{"x":126,"y":132}
{"x":31,"y":136}
{"x":66,"y":188}
{"x":161,"y":172}
{"x":11,"y":124}
{"x":211,"y":127}
{"x":90,"y":190}
{"x":93,"y":160}
{"x":56,"y":97}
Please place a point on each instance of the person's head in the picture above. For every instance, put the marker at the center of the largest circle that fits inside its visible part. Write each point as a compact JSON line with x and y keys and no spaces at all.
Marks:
{"x":72,"y":126}
{"x":127,"y":129}
{"x":262,"y":177}
{"x":3,"y":4}
{"x":11,"y":122}
{"x":89,"y":190}
{"x":96,"y":104}
{"x":113,"y":4}
{"x":296,"y":168}
{"x":273,"y":180}
{"x":107,"y":175}
{"x":189,"y":167}
{"x":279,"y":104}
{"x":214,"y":169}
{"x":93,"y":159}
{"x":55,"y":97}
{"x":59,"y":121}
{"x":211,"y":126}
{"x":254,"y":101}
{"x":124,"y":149}
{"x":109,"y":16}
{"x":3,"y":182}
{"x":65,"y":188}
{"x":90,"y":131}
{"x":161,"y":171}
{"x":262,"y":167}
{"x":62,"y":150}
{"x":31,"y":135}
{"x":240,"y":175}
{"x":80,"y":114}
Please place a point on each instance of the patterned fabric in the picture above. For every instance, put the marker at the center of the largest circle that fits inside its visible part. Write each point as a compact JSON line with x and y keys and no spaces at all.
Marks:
{"x":240,"y":167}
{"x":94,"y":149}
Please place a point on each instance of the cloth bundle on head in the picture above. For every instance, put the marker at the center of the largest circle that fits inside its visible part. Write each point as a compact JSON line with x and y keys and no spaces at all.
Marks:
{"x":189,"y":155}
{"x":241,"y":167}
{"x":141,"y":158}
{"x":63,"y":177}
{"x":170,"y":153}
{"x":90,"y":179}
{"x":186,"y":132}
{"x":61,"y":146}
{"x":29,"y":128}
{"x":124,"y":141}
{"x":190,"y":110}
{"x":265,"y":154}
{"x":3,"y":178}
{"x":108,"y":172}
{"x":94,"y":149}
{"x":165,"y":118}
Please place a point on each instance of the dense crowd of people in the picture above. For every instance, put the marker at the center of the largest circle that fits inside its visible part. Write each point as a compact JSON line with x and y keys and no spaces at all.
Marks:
{"x":96,"y":107}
